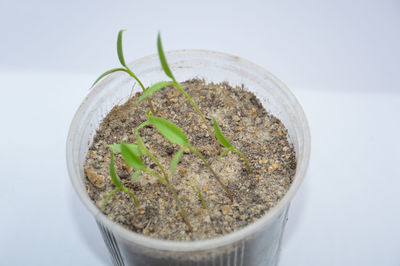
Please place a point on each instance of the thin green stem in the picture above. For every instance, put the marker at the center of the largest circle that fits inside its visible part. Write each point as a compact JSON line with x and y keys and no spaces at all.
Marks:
{"x":183,"y":212}
{"x":174,"y":194}
{"x":155,"y":174}
{"x":107,"y":198}
{"x":178,"y":86}
{"x":159,"y":165}
{"x":203,"y":202}
{"x":197,"y":190}
{"x":145,"y":123}
{"x":142,"y":86}
{"x":173,"y":191}
{"x":191,"y":148}
{"x":124,"y":189}
{"x":244,"y":158}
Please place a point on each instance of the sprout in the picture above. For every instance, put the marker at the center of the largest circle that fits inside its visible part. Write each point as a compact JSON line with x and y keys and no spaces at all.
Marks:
{"x":175,"y":135}
{"x":132,"y":153}
{"x":168,"y":72}
{"x":117,"y":183}
{"x":229,"y":147}
{"x":125,"y":68}
{"x":196,"y":189}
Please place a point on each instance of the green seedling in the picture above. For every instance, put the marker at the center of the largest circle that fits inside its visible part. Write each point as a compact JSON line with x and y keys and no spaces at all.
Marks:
{"x":175,"y":161}
{"x":124,"y":68}
{"x":132,"y":153}
{"x":117,"y":183}
{"x":176,"y":84}
{"x":176,"y":135}
{"x":228,"y":146}
{"x":196,"y":189}
{"x":135,"y":148}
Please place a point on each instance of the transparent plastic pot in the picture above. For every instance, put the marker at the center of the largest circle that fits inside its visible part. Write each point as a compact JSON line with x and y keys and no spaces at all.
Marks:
{"x":255,"y":245}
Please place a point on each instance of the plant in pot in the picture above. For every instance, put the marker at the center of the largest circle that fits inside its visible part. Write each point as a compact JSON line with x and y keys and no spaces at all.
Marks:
{"x":195,"y":172}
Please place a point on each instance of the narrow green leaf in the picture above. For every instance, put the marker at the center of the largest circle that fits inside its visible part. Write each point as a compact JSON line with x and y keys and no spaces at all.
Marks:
{"x":130,"y":157}
{"x":113,"y":173}
{"x":175,"y":161}
{"x":136,"y":175}
{"x":220,"y":136}
{"x":133,"y":147}
{"x":119,"y":48}
{"x":115,"y":147}
{"x":107,"y":73}
{"x":169,"y":130}
{"x":145,"y":123}
{"x":152,"y":89}
{"x":141,"y":145}
{"x":163,"y":59}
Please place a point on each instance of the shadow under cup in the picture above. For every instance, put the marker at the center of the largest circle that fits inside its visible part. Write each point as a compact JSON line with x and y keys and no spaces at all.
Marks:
{"x":255,"y":245}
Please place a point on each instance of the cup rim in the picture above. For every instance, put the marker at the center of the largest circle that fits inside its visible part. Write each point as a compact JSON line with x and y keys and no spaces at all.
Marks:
{"x":206,"y":244}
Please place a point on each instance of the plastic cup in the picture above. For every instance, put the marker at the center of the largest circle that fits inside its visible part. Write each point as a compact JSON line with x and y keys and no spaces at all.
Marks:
{"x":255,"y":245}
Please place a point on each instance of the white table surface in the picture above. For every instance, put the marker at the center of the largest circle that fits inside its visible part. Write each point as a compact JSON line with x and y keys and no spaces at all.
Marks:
{"x":341,"y":60}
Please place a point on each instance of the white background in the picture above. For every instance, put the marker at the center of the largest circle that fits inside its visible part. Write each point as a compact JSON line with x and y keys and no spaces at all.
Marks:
{"x":340,"y":58}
